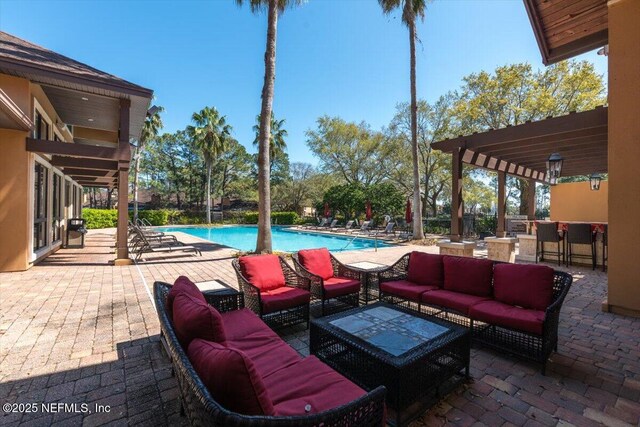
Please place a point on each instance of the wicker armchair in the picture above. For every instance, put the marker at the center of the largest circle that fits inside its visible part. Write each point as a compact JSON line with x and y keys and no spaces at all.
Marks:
{"x":255,"y":297}
{"x":349,"y":296}
{"x":530,"y":346}
{"x":202,"y":410}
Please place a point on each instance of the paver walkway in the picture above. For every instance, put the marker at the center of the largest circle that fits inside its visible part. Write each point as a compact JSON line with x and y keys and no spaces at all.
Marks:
{"x":74,"y":330}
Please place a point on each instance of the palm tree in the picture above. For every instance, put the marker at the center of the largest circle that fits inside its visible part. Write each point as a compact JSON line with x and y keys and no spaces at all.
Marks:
{"x":277,"y":144}
{"x":410,"y":10}
{"x":150,"y":128}
{"x":274,"y":7}
{"x":210,"y":133}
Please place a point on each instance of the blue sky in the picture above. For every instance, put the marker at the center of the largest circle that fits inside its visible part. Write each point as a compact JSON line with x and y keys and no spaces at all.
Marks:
{"x":336,"y":57}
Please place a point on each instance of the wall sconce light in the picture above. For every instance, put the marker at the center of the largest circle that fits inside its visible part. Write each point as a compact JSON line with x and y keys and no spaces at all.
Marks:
{"x":554,"y":168}
{"x":594,"y":181}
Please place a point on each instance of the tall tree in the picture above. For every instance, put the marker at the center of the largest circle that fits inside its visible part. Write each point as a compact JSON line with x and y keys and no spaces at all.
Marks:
{"x":264,"y":244}
{"x":150,"y":129}
{"x":277,"y":143}
{"x":412,"y":9}
{"x":211,"y":133}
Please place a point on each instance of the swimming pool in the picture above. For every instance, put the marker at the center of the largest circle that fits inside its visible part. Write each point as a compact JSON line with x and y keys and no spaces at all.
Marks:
{"x":285,"y":239}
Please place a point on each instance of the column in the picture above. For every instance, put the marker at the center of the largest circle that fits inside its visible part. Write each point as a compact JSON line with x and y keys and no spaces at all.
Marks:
{"x":502,"y":186}
{"x":457,"y":204}
{"x":124,"y":159}
{"x":531,"y":200}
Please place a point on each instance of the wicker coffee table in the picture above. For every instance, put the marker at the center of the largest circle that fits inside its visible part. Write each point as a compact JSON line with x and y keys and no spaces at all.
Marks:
{"x":418,"y":358}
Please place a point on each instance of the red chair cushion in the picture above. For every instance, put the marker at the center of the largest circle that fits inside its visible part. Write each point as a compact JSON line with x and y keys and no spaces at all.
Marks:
{"x":282,"y":298}
{"x":309,"y":382}
{"x":193,"y":319}
{"x":182,"y":284}
{"x":338,"y":286}
{"x":525,"y":285}
{"x":506,"y":315}
{"x":468,"y":275}
{"x":230,"y":377}
{"x":405,"y":289}
{"x":263,"y":271}
{"x":454,"y":300}
{"x":317,"y":261}
{"x":426,"y":269}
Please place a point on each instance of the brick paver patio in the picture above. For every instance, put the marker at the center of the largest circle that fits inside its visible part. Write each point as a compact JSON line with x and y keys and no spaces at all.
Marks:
{"x":75,"y":330}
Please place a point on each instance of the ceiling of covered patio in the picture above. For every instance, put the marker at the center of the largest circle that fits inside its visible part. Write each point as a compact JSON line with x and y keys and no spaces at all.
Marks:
{"x":523,"y":150}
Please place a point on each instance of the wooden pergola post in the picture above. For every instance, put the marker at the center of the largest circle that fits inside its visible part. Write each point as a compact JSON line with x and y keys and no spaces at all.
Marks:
{"x":457,"y":204}
{"x":531,"y":200}
{"x":502,"y":206}
{"x":124,"y":158}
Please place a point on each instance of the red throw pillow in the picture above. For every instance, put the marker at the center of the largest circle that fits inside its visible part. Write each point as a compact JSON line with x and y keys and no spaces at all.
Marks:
{"x":230,"y":377}
{"x":524,"y":285}
{"x":468,"y":275}
{"x":317,"y":261}
{"x":193,"y":319}
{"x":263,"y":271}
{"x":182,"y":284}
{"x":426,"y":269}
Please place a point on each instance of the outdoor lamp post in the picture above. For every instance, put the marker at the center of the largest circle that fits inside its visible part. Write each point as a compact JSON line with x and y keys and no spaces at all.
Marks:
{"x":594,"y":181}
{"x":554,"y":168}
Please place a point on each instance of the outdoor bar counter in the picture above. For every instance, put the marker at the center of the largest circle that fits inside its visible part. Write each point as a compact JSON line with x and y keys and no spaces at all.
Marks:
{"x":527,"y":242}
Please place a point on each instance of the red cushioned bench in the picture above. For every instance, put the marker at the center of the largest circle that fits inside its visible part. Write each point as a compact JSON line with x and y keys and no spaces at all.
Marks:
{"x":511,"y":307}
{"x":232,"y":369}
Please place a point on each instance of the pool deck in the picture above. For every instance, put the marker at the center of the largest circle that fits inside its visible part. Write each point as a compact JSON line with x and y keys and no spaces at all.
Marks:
{"x":74,"y":329}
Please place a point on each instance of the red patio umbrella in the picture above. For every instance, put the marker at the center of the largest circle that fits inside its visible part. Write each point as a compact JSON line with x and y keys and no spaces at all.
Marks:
{"x":326,"y":210}
{"x":368,"y":212}
{"x":408,"y":215}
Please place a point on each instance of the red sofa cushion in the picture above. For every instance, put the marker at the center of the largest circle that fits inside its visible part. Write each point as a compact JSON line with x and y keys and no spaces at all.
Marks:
{"x":405,"y":289}
{"x":182,"y":284}
{"x":267,"y":351}
{"x":468,"y":275}
{"x":317,"y":261}
{"x":426,"y":269}
{"x":263,"y":271}
{"x":193,"y":318}
{"x":454,"y":300}
{"x":501,"y":314}
{"x":239,"y":323}
{"x":282,"y":298}
{"x":309,"y":382}
{"x":338,"y":286}
{"x":230,"y":377}
{"x":525,"y":285}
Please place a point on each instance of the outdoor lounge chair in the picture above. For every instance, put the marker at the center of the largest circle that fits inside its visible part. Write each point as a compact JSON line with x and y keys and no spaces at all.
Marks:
{"x":322,"y":224}
{"x":333,"y":225}
{"x":143,"y":244}
{"x":348,"y":226}
{"x":273,"y":290}
{"x":389,"y":229}
{"x":365,"y":227}
{"x":330,"y":279}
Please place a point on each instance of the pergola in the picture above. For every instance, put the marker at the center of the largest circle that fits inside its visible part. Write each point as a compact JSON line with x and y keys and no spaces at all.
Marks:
{"x":522,"y":151}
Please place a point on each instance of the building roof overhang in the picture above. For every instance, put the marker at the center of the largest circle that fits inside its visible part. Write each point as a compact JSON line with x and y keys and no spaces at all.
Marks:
{"x":564,"y":29}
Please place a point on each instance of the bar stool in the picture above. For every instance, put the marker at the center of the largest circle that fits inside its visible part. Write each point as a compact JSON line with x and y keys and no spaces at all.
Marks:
{"x":605,"y":247}
{"x":548,"y":232}
{"x":581,"y":234}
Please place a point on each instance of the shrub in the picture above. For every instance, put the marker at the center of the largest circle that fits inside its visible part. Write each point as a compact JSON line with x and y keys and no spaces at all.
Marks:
{"x":155,"y":217}
{"x":100,"y":218}
{"x":279,"y":218}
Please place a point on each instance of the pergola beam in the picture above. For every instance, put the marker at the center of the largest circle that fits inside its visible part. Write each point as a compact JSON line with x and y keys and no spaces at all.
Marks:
{"x":86,"y":172}
{"x":68,"y":149}
{"x":80,"y":163}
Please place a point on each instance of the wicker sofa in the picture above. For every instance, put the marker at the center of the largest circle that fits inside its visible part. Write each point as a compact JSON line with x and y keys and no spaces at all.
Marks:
{"x":510,"y":307}
{"x":299,"y":391}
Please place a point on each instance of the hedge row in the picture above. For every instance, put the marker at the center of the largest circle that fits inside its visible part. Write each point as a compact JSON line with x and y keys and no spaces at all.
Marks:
{"x":108,"y":218}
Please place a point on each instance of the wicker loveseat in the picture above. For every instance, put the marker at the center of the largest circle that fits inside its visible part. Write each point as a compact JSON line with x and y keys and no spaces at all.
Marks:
{"x":511,"y":307}
{"x":298,"y":389}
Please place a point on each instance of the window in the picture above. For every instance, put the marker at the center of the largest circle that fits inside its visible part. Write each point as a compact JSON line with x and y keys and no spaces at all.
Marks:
{"x":41,"y":184}
{"x":41,"y":130}
{"x":57,"y":214}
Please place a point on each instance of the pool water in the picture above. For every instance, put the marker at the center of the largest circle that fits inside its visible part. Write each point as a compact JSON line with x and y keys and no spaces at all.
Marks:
{"x":285,"y":239}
